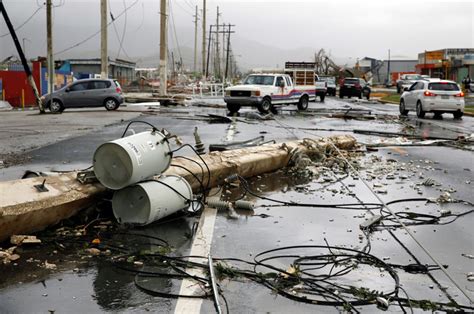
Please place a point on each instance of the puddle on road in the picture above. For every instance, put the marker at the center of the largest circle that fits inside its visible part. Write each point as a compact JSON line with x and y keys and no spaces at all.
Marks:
{"x":83,"y":282}
{"x":87,"y":283}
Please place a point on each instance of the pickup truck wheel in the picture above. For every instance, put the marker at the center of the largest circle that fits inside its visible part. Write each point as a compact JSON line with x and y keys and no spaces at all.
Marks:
{"x":420,"y":113}
{"x":233,"y":108}
{"x":322,"y":96}
{"x":265,"y":106}
{"x":303,"y":103}
{"x":341,"y":95}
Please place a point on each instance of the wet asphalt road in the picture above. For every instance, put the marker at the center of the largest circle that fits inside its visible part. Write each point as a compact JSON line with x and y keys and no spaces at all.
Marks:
{"x":99,"y":287}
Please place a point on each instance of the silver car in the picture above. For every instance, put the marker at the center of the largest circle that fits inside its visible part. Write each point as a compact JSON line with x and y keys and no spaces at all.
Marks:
{"x":86,"y":93}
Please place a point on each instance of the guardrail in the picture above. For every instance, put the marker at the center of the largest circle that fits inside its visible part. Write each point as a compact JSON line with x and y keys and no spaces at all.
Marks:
{"x":209,"y":90}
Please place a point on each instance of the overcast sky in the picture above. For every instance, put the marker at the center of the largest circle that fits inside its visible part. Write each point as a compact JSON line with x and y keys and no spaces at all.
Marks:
{"x":348,"y":29}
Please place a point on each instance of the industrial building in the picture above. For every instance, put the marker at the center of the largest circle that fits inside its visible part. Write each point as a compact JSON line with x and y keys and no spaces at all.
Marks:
{"x":119,"y":69}
{"x":386,"y":71}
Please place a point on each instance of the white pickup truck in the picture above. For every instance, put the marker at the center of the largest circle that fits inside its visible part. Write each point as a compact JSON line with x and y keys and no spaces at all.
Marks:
{"x":268,"y":89}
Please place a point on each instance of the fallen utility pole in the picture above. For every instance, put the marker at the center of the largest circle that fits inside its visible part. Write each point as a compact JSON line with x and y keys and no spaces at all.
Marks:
{"x":49,"y":41}
{"x":29,"y":75}
{"x":24,"y":209}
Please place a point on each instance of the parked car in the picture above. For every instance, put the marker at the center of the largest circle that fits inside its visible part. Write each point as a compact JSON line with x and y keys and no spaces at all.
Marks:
{"x":407,"y":80}
{"x":352,"y":86}
{"x":437,"y":96}
{"x":331,"y":84}
{"x":86,"y":93}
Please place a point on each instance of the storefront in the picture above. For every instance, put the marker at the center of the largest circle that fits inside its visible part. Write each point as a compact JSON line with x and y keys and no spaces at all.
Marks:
{"x":452,"y":64}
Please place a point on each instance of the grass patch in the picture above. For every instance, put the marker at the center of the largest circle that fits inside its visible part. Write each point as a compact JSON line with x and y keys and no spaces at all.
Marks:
{"x":469,"y":109}
{"x":391,"y":97}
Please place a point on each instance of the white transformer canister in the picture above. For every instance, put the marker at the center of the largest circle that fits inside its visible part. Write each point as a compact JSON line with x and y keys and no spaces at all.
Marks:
{"x":131,"y":159}
{"x":145,"y":202}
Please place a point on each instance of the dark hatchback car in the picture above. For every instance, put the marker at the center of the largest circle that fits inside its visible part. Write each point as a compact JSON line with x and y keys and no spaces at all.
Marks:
{"x":86,"y":93}
{"x":356,"y":87}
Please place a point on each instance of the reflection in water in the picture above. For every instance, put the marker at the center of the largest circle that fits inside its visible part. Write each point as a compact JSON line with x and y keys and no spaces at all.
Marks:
{"x":280,"y":180}
{"x":115,"y":288}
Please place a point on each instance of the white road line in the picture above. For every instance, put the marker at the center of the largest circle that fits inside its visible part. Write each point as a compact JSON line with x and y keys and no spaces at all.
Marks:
{"x":201,"y":247}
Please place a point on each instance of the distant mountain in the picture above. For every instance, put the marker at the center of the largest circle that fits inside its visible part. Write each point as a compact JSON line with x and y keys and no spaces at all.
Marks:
{"x":248,"y":53}
{"x":143,"y":48}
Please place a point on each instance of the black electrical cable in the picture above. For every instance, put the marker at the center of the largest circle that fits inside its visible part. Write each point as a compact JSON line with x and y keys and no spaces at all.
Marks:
{"x":310,"y":282}
{"x":97,"y":32}
{"x":203,"y":161}
{"x":154,"y":128}
{"x":353,"y":206}
{"x":199,"y":165}
{"x":192,"y":174}
{"x":25,"y":22}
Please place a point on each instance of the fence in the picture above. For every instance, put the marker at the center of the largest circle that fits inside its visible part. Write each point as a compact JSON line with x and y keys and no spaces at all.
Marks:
{"x":209,"y":90}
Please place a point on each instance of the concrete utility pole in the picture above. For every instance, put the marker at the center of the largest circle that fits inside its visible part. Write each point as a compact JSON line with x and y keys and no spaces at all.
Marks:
{"x":203,"y":37}
{"x":104,"y":60}
{"x":228,"y":49}
{"x":223,"y":45}
{"x":163,"y":47}
{"x":217,"y":68}
{"x":388,"y":69}
{"x":49,"y":43}
{"x":29,"y":75}
{"x":195,"y":39}
{"x":206,"y":72}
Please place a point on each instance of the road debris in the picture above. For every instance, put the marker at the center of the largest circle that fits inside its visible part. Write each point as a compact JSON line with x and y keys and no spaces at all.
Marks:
{"x":24,"y":239}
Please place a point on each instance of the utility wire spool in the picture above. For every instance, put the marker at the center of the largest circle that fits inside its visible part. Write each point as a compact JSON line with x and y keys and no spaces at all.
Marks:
{"x":131,"y":159}
{"x":145,"y":202}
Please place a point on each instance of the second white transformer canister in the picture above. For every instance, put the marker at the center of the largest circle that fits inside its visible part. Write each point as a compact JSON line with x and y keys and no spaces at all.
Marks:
{"x":131,"y":159}
{"x":145,"y":202}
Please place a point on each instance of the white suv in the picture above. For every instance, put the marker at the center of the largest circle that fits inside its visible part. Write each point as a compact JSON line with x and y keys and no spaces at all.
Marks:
{"x":437,"y":96}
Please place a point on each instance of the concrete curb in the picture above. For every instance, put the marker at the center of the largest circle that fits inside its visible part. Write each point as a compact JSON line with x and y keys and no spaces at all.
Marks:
{"x":393,"y":103}
{"x":388,"y":102}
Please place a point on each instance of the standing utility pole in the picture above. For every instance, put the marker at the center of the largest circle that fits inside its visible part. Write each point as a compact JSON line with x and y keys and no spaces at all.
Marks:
{"x":163,"y":47}
{"x":204,"y":37}
{"x":29,"y":76}
{"x":104,"y":64}
{"x":195,"y":39}
{"x":217,"y":68}
{"x":49,"y":42}
{"x":388,"y":69}
{"x":206,"y":73}
{"x":228,"y":50}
